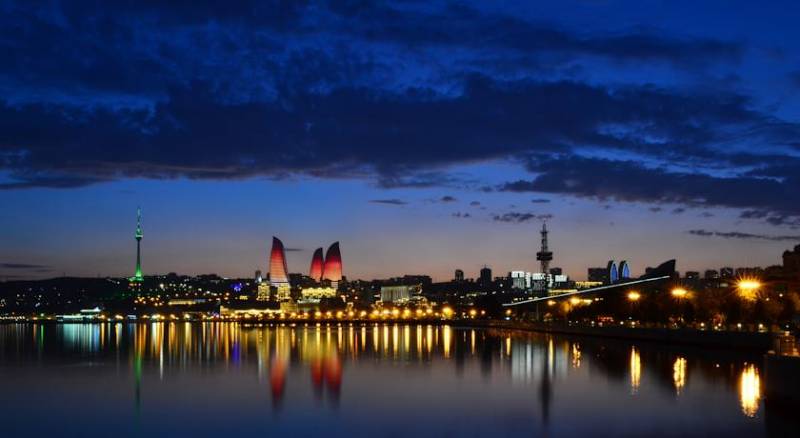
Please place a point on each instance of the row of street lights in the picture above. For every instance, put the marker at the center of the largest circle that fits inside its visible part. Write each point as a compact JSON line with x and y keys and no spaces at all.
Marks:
{"x":747,"y":288}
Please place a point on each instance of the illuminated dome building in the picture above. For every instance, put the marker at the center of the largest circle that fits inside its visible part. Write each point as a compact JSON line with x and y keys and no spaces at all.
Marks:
{"x":317,"y":265}
{"x":624,"y":270}
{"x":333,"y":265}
{"x":613,"y":272}
{"x":278,"y":274}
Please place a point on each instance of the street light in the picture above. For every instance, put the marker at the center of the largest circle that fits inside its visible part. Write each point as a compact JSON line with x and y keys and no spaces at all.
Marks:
{"x":679,"y":292}
{"x":634,"y":296}
{"x":447,"y":312}
{"x":748,"y":288}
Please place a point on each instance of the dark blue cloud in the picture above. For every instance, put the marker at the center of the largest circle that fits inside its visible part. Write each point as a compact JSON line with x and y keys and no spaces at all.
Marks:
{"x":388,"y":201}
{"x":744,"y":236}
{"x":633,"y":182}
{"x":398,"y":93}
{"x":519,"y":217}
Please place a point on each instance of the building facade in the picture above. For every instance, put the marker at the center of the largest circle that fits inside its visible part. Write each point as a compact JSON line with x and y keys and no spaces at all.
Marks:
{"x":278,"y":273}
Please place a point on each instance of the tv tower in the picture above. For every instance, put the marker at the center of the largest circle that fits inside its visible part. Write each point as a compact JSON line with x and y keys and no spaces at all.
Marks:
{"x":545,"y":256}
{"x":138,"y":275}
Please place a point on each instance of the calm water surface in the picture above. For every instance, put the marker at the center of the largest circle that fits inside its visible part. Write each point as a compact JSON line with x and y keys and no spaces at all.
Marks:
{"x":168,"y":379}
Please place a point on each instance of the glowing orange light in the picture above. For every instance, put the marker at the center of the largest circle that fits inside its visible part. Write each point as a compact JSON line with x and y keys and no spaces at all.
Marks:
{"x":750,"y":390}
{"x":679,"y":292}
{"x":748,"y":288}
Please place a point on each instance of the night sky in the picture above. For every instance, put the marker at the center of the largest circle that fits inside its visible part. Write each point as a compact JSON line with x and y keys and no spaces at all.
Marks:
{"x":423,"y":136}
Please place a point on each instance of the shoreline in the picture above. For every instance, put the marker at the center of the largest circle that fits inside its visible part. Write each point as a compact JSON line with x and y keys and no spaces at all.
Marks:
{"x":749,"y":341}
{"x":742,"y":340}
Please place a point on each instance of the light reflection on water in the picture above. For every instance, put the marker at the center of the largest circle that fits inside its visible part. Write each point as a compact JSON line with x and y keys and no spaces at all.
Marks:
{"x":636,"y":370}
{"x":750,"y":390}
{"x":450,"y":380}
{"x":679,"y":374}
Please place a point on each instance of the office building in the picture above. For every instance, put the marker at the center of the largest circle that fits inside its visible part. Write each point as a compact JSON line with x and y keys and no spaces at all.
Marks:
{"x":598,"y":275}
{"x":398,"y":294}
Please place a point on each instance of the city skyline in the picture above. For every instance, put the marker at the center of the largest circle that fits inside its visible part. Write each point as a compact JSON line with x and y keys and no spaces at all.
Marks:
{"x":330,"y":268}
{"x":350,"y":218}
{"x":651,"y":135}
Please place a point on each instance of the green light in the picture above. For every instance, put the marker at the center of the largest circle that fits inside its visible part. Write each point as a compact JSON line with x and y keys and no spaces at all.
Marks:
{"x":137,"y":276}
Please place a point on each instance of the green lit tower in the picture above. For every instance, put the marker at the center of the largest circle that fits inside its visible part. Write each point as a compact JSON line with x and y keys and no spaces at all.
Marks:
{"x":138,"y":275}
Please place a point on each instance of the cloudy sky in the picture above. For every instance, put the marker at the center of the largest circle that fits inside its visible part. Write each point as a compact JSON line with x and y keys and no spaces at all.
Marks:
{"x":424,"y":136}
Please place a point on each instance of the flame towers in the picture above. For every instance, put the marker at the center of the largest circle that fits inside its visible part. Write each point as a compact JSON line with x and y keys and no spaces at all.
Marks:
{"x":278,"y":274}
{"x":333,"y":264}
{"x":327,"y":268}
{"x":322,"y":269}
{"x":317,"y":266}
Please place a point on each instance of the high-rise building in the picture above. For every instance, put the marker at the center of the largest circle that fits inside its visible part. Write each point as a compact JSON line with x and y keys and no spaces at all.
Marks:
{"x":332,"y":270}
{"x":263,"y":291}
{"x":258,"y":277}
{"x":317,"y":265}
{"x":711,"y":274}
{"x":278,"y":273}
{"x":485,"y":276}
{"x":459,"y":276}
{"x":556,"y":271}
{"x":520,"y":279}
{"x":598,"y":275}
{"x":748,"y":272}
{"x":692,"y":275}
{"x":137,"y":276}
{"x":726,"y":272}
{"x":791,"y":262}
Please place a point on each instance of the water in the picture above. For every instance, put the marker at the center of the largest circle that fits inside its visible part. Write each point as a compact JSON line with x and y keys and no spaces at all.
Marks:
{"x":224,"y":379}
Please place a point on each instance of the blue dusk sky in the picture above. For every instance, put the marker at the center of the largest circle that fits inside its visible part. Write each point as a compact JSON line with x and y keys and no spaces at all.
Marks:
{"x":424,"y":136}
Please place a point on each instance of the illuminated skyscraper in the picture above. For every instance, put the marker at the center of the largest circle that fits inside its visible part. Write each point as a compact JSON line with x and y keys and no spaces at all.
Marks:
{"x":333,"y":264}
{"x":137,"y":276}
{"x":278,"y":274}
{"x":317,"y":265}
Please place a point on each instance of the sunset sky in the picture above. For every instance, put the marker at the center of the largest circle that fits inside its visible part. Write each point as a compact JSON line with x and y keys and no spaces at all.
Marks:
{"x":424,"y":136}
